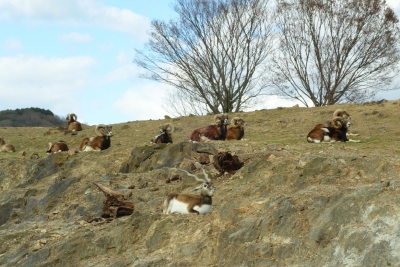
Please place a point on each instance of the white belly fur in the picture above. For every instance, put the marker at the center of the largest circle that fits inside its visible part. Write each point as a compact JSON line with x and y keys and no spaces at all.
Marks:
{"x":180,"y":207}
{"x":177,"y":206}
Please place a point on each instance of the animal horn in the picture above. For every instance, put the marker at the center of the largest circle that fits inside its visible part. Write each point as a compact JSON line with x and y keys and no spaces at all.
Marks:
{"x":340,"y":113}
{"x":206,"y":175}
{"x":100,"y":129}
{"x":197,"y":178}
{"x":234,"y":120}
{"x":71,"y":117}
{"x":168,"y":127}
{"x":337,"y":122}
{"x":218,"y":119}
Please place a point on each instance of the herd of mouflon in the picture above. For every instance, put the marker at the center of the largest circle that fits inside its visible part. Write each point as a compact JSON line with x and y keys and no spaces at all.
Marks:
{"x":335,"y":130}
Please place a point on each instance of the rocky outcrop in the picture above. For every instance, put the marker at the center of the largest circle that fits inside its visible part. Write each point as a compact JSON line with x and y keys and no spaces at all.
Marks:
{"x":279,"y":209}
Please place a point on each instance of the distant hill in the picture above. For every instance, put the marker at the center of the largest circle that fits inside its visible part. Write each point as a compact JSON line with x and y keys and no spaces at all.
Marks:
{"x":30,"y":117}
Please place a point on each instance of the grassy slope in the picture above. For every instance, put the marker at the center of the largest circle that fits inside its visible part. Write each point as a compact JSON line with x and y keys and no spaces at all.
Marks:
{"x":284,"y":130}
{"x":376,"y":123}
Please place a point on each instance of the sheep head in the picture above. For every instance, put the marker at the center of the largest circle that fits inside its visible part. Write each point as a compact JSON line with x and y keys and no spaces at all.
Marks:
{"x":238,"y":122}
{"x":341,"y":113}
{"x":340,"y":122}
{"x":71,"y":117}
{"x":166,"y":128}
{"x":221,"y":119}
{"x":104,"y":130}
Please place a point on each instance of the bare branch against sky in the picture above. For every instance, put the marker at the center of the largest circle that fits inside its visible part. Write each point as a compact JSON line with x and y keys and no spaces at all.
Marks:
{"x":212,"y":54}
{"x":335,"y":51}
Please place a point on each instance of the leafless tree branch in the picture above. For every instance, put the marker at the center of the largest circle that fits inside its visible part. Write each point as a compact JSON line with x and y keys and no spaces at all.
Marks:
{"x":335,"y":51}
{"x":212,"y":54}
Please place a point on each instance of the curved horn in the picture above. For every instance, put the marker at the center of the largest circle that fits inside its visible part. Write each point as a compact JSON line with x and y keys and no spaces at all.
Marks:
{"x":218,"y":119}
{"x":206,"y":175}
{"x":337,"y":122}
{"x":235,"y":120}
{"x":340,"y":113}
{"x":206,"y":178}
{"x":71,"y":117}
{"x":166,"y":127}
{"x":100,"y":129}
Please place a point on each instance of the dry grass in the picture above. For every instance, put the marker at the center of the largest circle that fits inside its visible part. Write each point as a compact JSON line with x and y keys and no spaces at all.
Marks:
{"x":377,"y":124}
{"x":275,"y":143}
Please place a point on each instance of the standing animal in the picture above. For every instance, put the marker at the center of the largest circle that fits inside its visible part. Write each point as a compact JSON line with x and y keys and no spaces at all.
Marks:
{"x":6,"y":147}
{"x":236,"y":132}
{"x":57,"y":147}
{"x":100,"y":142}
{"x":212,"y":132}
{"x":165,"y":135}
{"x":73,"y":125}
{"x":189,"y":203}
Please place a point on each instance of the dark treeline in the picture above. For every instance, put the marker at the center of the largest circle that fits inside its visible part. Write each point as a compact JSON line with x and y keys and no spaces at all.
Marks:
{"x":30,"y":117}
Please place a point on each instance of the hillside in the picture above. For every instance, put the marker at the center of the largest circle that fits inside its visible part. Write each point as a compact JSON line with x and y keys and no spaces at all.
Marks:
{"x":291,"y":204}
{"x":28,"y":117}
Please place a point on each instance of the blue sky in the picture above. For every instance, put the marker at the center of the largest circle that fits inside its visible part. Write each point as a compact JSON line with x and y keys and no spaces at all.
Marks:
{"x":76,"y":56}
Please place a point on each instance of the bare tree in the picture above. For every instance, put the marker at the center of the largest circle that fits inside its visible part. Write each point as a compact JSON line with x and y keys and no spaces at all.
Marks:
{"x":335,"y":51}
{"x":211,"y":54}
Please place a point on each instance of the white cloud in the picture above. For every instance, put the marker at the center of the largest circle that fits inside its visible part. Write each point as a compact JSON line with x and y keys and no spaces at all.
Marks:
{"x":76,"y":12}
{"x":273,"y":101}
{"x":75,"y":37}
{"x":144,"y":103}
{"x":12,"y":44}
{"x":127,"y":70}
{"x":124,"y":58}
{"x":53,"y":83}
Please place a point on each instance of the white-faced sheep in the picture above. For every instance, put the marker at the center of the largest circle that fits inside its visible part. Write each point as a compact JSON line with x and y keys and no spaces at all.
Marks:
{"x":212,"y":132}
{"x":57,"y":147}
{"x":165,"y":135}
{"x":6,"y":147}
{"x":100,"y":142}
{"x":236,"y":131}
{"x":188,"y":203}
{"x":73,"y":125}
